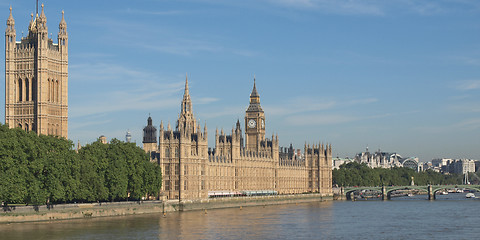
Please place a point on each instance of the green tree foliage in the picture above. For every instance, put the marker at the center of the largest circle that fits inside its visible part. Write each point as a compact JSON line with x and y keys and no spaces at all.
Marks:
{"x":43,"y":169}
{"x":356,"y":174}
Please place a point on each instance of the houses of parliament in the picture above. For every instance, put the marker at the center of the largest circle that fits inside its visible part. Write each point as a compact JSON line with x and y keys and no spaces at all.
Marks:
{"x":36,"y":78}
{"x":241,"y":162}
{"x":36,"y":99}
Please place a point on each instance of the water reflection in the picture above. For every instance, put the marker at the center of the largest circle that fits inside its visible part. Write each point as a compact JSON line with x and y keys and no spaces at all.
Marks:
{"x":264,"y":222}
{"x":320,"y":220}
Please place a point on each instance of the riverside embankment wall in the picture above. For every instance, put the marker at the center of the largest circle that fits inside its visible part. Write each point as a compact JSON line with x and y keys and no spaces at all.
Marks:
{"x":88,"y":210}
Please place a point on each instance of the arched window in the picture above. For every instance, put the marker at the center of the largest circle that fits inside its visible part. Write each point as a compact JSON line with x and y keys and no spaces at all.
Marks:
{"x":20,"y":89}
{"x":27,"y":90}
{"x":26,"y":127}
{"x":52,"y":87}
{"x":56,"y":92}
{"x":49,"y":92}
{"x":20,"y":125}
{"x":176,"y":152}
{"x":34,"y":90}
{"x":167,"y":152}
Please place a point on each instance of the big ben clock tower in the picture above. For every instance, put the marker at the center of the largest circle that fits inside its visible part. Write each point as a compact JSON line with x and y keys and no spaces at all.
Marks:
{"x":254,"y":122}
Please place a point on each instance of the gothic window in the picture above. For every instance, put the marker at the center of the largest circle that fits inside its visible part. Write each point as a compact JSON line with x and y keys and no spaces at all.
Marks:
{"x":167,"y":184}
{"x":20,"y":89}
{"x":49,"y":92}
{"x":20,"y":125}
{"x":27,"y":90}
{"x":185,"y":170}
{"x":52,"y":87}
{"x":177,"y":185}
{"x":34,"y":88}
{"x":167,"y":152}
{"x":57,"y":93}
{"x":26,"y":127}
{"x":176,"y":152}
{"x":177,"y":170}
{"x":167,"y":169}
{"x":185,"y":185}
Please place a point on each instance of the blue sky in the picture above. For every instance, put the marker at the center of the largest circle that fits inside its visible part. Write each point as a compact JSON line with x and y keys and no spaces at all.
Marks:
{"x":399,"y":75}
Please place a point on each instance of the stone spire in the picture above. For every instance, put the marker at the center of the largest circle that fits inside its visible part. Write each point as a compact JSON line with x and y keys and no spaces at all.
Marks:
{"x":62,"y":22}
{"x":186,"y":102}
{"x":10,"y":31}
{"x":238,"y":125}
{"x":10,"y":20}
{"x":31,"y":21}
{"x":62,"y":27}
{"x":186,"y":85}
{"x":254,"y":91}
{"x":41,"y":22}
{"x":42,"y":15}
{"x":254,"y":99}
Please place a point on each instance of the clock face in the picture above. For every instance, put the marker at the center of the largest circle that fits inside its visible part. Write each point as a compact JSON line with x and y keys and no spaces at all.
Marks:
{"x":251,"y":123}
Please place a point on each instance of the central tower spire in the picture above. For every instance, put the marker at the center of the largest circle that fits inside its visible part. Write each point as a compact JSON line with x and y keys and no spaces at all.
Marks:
{"x":186,"y":102}
{"x":186,"y":121}
{"x":186,"y":85}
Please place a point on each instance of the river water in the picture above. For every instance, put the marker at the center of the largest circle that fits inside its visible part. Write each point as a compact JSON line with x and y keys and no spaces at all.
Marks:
{"x":449,"y":217}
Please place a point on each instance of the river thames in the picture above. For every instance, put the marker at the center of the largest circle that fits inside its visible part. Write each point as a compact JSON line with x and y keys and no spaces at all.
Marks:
{"x":449,"y":217}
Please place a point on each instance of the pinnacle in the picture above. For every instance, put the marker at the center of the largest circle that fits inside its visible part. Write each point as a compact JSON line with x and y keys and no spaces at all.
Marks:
{"x":186,"y":84}
{"x":10,"y":17}
{"x":254,"y":91}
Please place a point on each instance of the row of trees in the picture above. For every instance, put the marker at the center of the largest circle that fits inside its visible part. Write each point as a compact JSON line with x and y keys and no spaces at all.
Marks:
{"x":356,"y":174}
{"x":43,"y":169}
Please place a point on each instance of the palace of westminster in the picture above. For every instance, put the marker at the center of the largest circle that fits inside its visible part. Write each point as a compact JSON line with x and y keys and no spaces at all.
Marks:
{"x":36,"y":99}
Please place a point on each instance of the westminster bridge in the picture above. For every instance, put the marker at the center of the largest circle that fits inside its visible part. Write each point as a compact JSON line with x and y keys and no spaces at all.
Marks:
{"x":386,"y":191}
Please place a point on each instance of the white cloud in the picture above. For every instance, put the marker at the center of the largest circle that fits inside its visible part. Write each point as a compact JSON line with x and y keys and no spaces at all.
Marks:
{"x":465,"y":107}
{"x":348,"y":7}
{"x":313,"y":104}
{"x":158,"y":13}
{"x":468,"y":85}
{"x":379,"y":7}
{"x":318,"y":119}
{"x":205,"y":100}
{"x":469,"y":124}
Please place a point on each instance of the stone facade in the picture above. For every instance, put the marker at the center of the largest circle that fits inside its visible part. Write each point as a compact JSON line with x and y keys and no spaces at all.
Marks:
{"x":192,"y":171}
{"x":36,"y":78}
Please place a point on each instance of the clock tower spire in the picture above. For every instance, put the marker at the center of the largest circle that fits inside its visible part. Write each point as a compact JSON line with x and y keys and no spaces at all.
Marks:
{"x":254,"y":121}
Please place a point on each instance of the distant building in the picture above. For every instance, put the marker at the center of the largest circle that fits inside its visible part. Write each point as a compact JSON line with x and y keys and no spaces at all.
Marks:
{"x":449,"y":165}
{"x":462,"y":166}
{"x":379,"y":159}
{"x":337,"y":162}
{"x":103,"y":139}
{"x":128,"y":137}
{"x":441,"y":164}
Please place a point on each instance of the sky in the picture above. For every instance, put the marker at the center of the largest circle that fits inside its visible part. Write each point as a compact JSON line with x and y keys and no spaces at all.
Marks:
{"x":400,"y":75}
